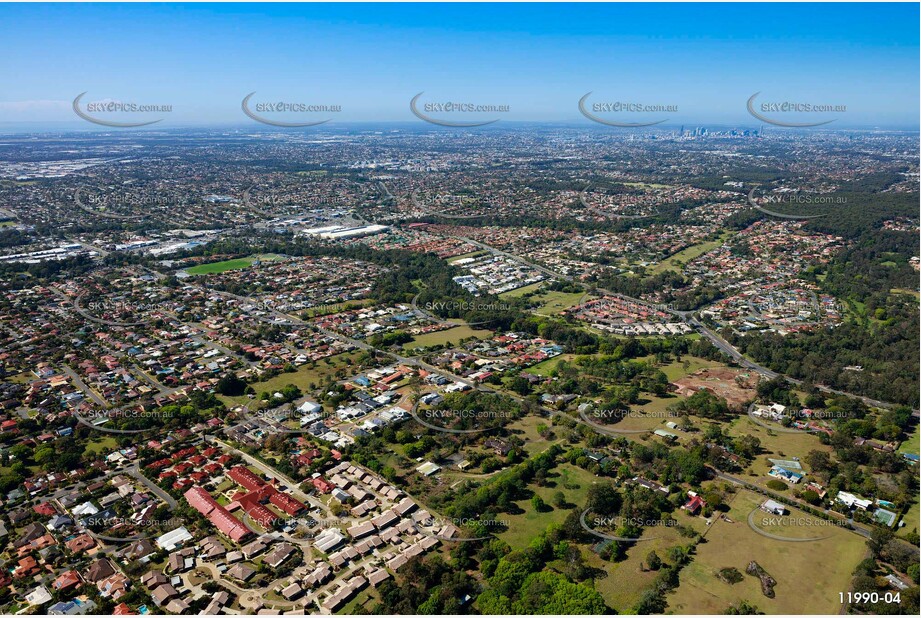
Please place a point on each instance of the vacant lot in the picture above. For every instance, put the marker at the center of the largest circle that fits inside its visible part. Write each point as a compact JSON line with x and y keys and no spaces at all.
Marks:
{"x":624,"y":582}
{"x":302,"y":378}
{"x":466,"y":255}
{"x":736,"y":386}
{"x":442,"y":337}
{"x":555,"y":302}
{"x":522,"y":290}
{"x":676,"y":370}
{"x":546,"y":367}
{"x":809,"y":574}
{"x":219,"y":267}
{"x":911,"y":518}
{"x":526,"y":429}
{"x":649,"y":416}
{"x":677,"y":261}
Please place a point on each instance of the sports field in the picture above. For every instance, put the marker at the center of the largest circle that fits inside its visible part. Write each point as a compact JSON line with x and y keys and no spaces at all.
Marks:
{"x":220,"y":267}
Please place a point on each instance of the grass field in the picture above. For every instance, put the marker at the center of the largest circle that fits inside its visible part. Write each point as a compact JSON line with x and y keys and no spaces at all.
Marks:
{"x":555,"y":302}
{"x":101,"y":444}
{"x":441,"y":337}
{"x":219,"y":267}
{"x":467,"y":255}
{"x":624,"y":582}
{"x":911,"y":518}
{"x":314,"y":312}
{"x":676,"y":370}
{"x":678,"y":260}
{"x":526,"y":429}
{"x":777,"y":446}
{"x":911,"y":445}
{"x":809,"y":575}
{"x":572,"y":481}
{"x":522,"y":290}
{"x":544,"y":368}
{"x":302,"y":378}
{"x":649,"y":416}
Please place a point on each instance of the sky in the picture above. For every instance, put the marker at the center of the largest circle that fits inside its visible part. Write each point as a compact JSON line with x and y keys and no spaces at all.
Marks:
{"x":703,"y":60}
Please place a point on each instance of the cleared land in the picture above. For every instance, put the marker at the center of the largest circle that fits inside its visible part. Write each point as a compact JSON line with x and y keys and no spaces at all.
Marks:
{"x":522,"y":290}
{"x":219,"y":267}
{"x":736,"y":386}
{"x":686,"y":366}
{"x":809,"y":574}
{"x":555,"y":302}
{"x":678,"y":260}
{"x":546,"y":367}
{"x":467,"y":255}
{"x":912,"y":515}
{"x":623,"y":583}
{"x":526,"y":429}
{"x":302,"y":378}
{"x":443,"y":336}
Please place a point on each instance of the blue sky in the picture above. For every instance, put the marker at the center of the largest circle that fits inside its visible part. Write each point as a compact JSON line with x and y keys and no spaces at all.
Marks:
{"x":538,"y":59}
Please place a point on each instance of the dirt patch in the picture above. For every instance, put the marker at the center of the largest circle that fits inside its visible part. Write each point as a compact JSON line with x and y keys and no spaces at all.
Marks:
{"x":767,"y":582}
{"x":736,"y":386}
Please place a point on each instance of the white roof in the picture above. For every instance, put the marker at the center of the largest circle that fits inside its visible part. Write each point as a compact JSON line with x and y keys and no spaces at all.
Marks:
{"x":773,"y":504}
{"x":171,"y":539}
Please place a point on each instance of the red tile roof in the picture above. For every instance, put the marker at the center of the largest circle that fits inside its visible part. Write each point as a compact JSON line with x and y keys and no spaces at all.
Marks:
{"x":202,"y":501}
{"x":245,"y":477}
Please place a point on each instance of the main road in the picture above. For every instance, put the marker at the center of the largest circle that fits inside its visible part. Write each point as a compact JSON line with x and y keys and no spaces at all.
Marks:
{"x":688,"y":317}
